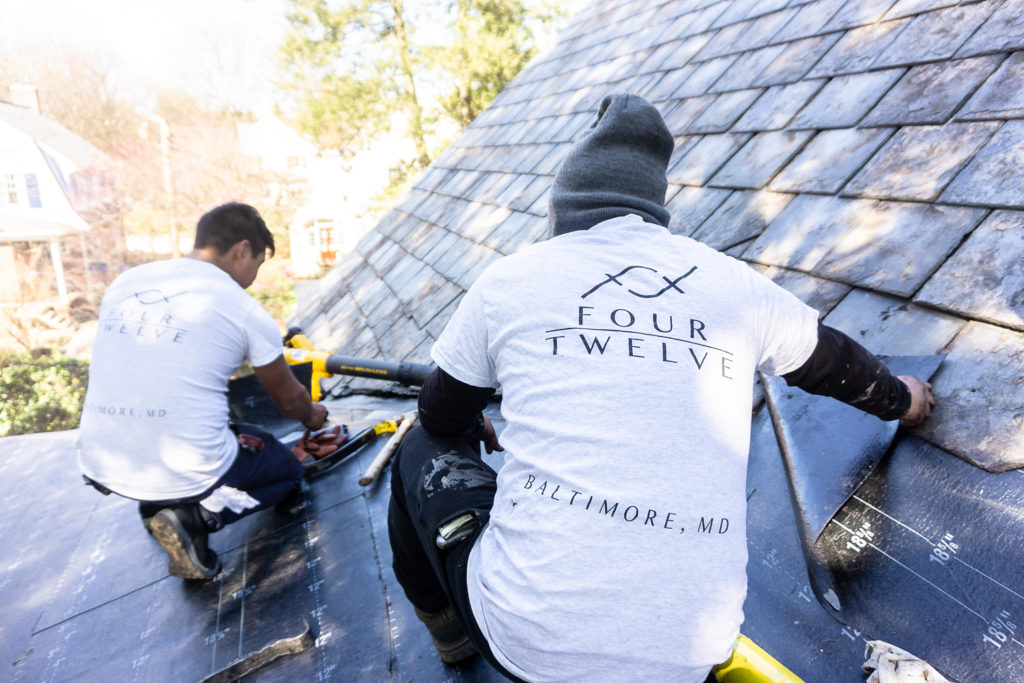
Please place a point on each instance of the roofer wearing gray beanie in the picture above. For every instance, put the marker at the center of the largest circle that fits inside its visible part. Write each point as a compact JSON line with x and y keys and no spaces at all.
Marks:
{"x":617,"y":168}
{"x":610,"y":545}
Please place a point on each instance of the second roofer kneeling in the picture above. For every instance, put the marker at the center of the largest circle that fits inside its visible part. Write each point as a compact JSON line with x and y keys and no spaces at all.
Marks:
{"x":611,"y":545}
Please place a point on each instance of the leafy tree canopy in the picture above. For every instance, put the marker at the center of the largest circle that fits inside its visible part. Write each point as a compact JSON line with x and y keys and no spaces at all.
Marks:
{"x":356,"y":67}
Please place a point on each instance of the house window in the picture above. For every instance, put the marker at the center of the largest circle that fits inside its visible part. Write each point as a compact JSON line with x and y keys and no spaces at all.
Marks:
{"x":9,"y":193}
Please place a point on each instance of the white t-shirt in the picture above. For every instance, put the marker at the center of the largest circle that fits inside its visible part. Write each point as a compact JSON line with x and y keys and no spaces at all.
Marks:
{"x":616,"y":548}
{"x":170,"y":335}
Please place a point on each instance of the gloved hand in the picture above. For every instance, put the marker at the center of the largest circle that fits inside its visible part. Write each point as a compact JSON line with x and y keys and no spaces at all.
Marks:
{"x":321,"y":443}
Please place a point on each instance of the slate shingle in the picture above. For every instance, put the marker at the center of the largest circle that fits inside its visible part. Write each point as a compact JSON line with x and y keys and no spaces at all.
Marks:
{"x":828,"y":160}
{"x":858,"y":13}
{"x":706,"y":157}
{"x":1002,"y":96}
{"x":777,"y":106}
{"x":669,"y":83}
{"x":704,"y":75}
{"x":719,"y":116}
{"x":742,"y":72}
{"x":805,"y":231}
{"x":935,"y":35}
{"x":884,"y":251}
{"x":689,"y":207}
{"x":858,"y":49}
{"x":845,"y":100}
{"x":919,"y":161}
{"x":741,"y":217}
{"x":685,"y":111}
{"x":891,"y":326}
{"x":995,"y":177}
{"x":978,"y":413}
{"x":760,"y":159}
{"x":932,"y":92}
{"x":1003,"y":31}
{"x":810,"y":20}
{"x":821,"y":295}
{"x":795,"y":60}
{"x":906,"y":8}
{"x":984,"y":279}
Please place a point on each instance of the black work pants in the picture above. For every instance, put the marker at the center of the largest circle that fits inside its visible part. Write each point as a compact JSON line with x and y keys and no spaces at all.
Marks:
{"x":268,"y":473}
{"x":435,"y":479}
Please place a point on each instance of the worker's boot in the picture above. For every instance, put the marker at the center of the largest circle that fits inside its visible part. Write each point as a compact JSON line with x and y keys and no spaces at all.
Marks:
{"x":181,"y":531}
{"x":450,"y":638}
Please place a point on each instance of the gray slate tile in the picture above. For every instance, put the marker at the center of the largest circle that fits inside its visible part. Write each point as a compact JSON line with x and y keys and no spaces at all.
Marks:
{"x":689,"y":207}
{"x":796,"y":60}
{"x":719,"y":116}
{"x":978,"y":414}
{"x":906,"y":8}
{"x":709,"y":16}
{"x":777,"y":106}
{"x":729,"y":40}
{"x":810,"y":20}
{"x":1003,"y":31}
{"x":830,"y":159}
{"x":897,"y":246}
{"x":919,"y":161}
{"x":930,"y":93}
{"x":704,"y":75}
{"x":858,"y":49}
{"x":845,"y":100}
{"x":686,"y":111}
{"x":996,"y":175}
{"x":742,"y":216}
{"x":984,"y":279}
{"x":706,"y":157}
{"x":1002,"y":96}
{"x":820,"y":294}
{"x":893,"y":327}
{"x":805,"y":231}
{"x":742,"y":72}
{"x":935,"y":35}
{"x":666,"y":87}
{"x":760,"y":159}
{"x":858,"y":13}
{"x":734,"y":12}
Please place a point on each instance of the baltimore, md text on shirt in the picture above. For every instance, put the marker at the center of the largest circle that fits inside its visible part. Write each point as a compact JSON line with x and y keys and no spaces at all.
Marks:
{"x":642,"y":331}
{"x":627,"y":512}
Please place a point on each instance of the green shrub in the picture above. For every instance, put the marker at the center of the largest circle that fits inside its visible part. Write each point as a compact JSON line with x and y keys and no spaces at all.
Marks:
{"x":41,"y":394}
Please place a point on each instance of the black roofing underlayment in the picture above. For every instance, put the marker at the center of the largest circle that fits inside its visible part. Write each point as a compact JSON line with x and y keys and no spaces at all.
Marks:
{"x":866,"y":154}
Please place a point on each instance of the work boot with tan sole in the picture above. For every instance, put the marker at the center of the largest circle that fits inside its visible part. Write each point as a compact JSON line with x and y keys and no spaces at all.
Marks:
{"x":450,"y":638}
{"x":181,"y":531}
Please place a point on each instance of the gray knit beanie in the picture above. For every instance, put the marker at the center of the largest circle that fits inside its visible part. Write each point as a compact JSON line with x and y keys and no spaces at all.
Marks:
{"x":617,"y":168}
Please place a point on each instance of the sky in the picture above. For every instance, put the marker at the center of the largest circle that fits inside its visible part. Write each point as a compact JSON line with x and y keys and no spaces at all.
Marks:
{"x":224,"y":49}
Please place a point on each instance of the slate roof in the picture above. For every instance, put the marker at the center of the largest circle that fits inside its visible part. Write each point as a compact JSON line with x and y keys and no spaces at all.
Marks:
{"x":866,"y":154}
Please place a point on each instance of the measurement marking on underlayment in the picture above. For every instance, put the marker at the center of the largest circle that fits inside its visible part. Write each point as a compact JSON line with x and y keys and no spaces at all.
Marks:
{"x":241,"y":616}
{"x":930,"y":542}
{"x":977,"y":614}
{"x":888,"y":516}
{"x":216,"y":629}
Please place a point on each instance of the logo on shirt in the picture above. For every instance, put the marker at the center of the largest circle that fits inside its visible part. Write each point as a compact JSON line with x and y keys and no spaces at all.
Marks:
{"x":148,"y":297}
{"x":646,"y":282}
{"x":660,"y":332}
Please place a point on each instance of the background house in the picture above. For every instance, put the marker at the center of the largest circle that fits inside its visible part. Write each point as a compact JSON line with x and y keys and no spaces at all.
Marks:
{"x":55,"y":189}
